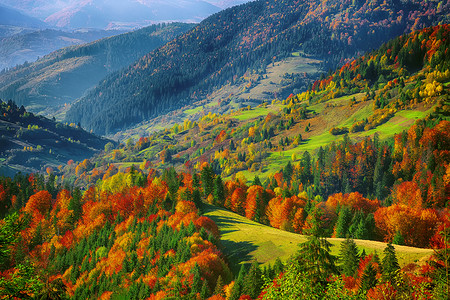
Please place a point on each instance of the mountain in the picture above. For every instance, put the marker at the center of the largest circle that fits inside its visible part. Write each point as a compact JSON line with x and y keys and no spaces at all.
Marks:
{"x":226,"y":3}
{"x":30,"y":143}
{"x":363,"y":153}
{"x":12,"y":17}
{"x":28,"y":46}
{"x":245,"y":39}
{"x":64,"y":75}
{"x":115,"y":14}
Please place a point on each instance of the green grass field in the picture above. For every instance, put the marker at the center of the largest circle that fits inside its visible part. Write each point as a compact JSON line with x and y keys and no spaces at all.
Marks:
{"x":256,"y":112}
{"x":243,"y":241}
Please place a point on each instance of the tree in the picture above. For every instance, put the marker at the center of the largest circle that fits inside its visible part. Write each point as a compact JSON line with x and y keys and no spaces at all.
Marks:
{"x":207,"y":178}
{"x":389,"y":263}
{"x":253,"y":281}
{"x":197,"y":280}
{"x":315,"y":259}
{"x":219,"y":191}
{"x":343,"y":222}
{"x":348,"y":257}
{"x":236,"y":290}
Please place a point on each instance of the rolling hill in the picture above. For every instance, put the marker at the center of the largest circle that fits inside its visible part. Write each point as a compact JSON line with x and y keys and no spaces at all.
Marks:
{"x":239,"y":40}
{"x":64,"y":75}
{"x":30,"y":143}
{"x":12,"y":17}
{"x":27,"y":45}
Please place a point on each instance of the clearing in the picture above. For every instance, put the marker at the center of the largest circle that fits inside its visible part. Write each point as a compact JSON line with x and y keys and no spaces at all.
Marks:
{"x":244,"y":241}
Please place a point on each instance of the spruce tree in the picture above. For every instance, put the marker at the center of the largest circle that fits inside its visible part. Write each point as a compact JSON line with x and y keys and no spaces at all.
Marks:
{"x":205,"y":292}
{"x":315,"y":259}
{"x":389,"y":263}
{"x":197,"y":280}
{"x":253,"y":282}
{"x":343,"y":222}
{"x":236,"y":290}
{"x":348,"y":257}
{"x":368,"y":278}
{"x":219,"y":191}
{"x":219,"y":287}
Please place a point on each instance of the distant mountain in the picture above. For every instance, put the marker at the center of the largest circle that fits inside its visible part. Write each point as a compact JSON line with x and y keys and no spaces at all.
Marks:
{"x":64,"y":75}
{"x":245,"y":38}
{"x":28,"y":46}
{"x":226,"y":3}
{"x":130,"y":13}
{"x":12,"y":17}
{"x":115,"y":14}
{"x":29,"y":143}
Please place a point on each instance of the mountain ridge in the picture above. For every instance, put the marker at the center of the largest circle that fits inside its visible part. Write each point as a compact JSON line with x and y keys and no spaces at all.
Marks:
{"x":62,"y":76}
{"x":249,"y":38}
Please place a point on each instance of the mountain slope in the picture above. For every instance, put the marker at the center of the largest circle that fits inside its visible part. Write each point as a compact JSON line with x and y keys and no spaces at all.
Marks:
{"x":66,"y":74}
{"x":381,"y":92}
{"x":13,"y":17}
{"x":247,"y":37}
{"x":29,"y":143}
{"x":114,"y":14}
{"x":130,"y":13}
{"x":27,"y":46}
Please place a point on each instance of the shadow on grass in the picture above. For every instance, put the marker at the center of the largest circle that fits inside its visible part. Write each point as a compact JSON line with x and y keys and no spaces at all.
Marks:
{"x":237,"y":253}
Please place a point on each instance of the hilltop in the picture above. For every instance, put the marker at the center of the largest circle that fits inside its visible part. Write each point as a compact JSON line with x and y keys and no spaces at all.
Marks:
{"x":28,"y":45}
{"x":238,"y":45}
{"x":30,"y":143}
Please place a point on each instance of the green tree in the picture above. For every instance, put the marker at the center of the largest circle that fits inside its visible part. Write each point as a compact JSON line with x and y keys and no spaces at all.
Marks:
{"x":207,"y":178}
{"x":389,"y":263}
{"x":253,"y":281}
{"x":218,"y":290}
{"x":343,"y":222}
{"x":219,"y":191}
{"x":196,"y":286}
{"x":315,"y":259}
{"x":236,"y":290}
{"x":348,"y":257}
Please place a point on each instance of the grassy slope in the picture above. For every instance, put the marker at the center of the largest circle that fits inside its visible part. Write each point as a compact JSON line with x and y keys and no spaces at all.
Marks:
{"x":244,"y":240}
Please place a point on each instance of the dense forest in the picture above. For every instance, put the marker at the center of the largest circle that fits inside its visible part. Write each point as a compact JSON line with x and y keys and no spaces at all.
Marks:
{"x":250,"y":36}
{"x":381,"y":182}
{"x":64,"y":75}
{"x":361,"y":156}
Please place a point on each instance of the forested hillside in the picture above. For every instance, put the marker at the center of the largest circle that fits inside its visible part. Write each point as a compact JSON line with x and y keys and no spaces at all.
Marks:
{"x":64,"y":75}
{"x":387,"y":163}
{"x":28,"y":45}
{"x":30,"y":143}
{"x":251,"y":36}
{"x":134,"y":242}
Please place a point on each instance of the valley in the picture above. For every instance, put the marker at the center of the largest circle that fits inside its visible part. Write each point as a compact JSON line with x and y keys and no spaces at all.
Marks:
{"x":276,"y":150}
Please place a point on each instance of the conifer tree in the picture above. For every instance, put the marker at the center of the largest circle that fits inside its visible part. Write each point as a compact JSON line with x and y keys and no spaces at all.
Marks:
{"x":316,"y":260}
{"x":253,"y":281}
{"x":219,"y":287}
{"x":368,"y":278}
{"x":197,"y":280}
{"x":343,"y":222}
{"x":236,"y":290}
{"x":348,"y":257}
{"x":205,"y":292}
{"x":207,"y":177}
{"x":389,"y":263}
{"x":219,"y":192}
